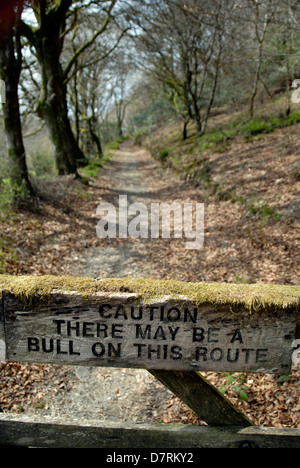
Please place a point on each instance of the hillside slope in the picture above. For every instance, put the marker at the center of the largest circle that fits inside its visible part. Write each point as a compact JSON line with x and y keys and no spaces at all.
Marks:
{"x":250,"y":184}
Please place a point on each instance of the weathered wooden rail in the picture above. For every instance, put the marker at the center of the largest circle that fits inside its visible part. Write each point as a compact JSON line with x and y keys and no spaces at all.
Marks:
{"x":172,"y":329}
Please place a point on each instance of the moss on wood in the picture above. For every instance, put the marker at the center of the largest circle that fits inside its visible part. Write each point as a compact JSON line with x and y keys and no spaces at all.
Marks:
{"x":253,"y":297}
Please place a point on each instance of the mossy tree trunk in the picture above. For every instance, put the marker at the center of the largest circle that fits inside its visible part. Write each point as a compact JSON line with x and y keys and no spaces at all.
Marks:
{"x":95,"y":138}
{"x":48,"y":41}
{"x":10,"y":69}
{"x":53,"y":110}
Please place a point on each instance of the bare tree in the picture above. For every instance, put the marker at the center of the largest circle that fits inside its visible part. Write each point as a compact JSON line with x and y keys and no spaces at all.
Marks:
{"x":181,"y":44}
{"x":263,"y":14}
{"x":122,"y":71}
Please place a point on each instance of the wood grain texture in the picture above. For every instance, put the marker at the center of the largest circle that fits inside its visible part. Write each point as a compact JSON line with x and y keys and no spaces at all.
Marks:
{"x":2,"y":332}
{"x":118,"y":330}
{"x":20,"y":431}
{"x":204,"y":399}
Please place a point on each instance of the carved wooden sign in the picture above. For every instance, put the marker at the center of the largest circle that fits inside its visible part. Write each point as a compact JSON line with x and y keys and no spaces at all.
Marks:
{"x":120,"y":330}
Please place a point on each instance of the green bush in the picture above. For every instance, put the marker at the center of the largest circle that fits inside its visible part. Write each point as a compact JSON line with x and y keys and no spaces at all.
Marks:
{"x":164,"y":154}
{"x":255,"y":127}
{"x":43,"y":164}
{"x":293,"y":118}
{"x":11,"y":194}
{"x":260,"y":125}
{"x":93,"y":168}
{"x":237,"y":384}
{"x":114,"y":145}
{"x":257,"y":208}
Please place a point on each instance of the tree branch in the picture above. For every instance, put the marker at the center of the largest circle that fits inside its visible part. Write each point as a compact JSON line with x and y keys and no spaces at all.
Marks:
{"x":98,"y":59}
{"x":90,"y":42}
{"x":26,"y":31}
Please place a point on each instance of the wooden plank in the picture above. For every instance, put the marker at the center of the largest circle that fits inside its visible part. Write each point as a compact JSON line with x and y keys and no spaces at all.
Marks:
{"x":204,"y":399}
{"x":121,"y":330}
{"x":24,"y":431}
{"x":2,"y":332}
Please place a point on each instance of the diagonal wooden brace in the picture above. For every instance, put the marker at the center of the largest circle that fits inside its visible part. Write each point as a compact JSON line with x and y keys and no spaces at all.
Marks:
{"x":202,"y":397}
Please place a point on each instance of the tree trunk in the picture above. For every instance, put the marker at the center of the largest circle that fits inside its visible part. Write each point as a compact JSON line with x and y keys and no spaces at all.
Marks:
{"x":53,"y":110}
{"x":14,"y":138}
{"x":95,"y":138}
{"x":10,"y":68}
{"x":255,"y":88}
{"x":199,"y":124}
{"x":260,"y":38}
{"x":185,"y":126}
{"x":213,"y":92}
{"x":120,"y":129}
{"x":68,"y":156}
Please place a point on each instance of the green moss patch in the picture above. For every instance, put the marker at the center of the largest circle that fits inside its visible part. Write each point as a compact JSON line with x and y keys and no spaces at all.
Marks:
{"x":251,"y":296}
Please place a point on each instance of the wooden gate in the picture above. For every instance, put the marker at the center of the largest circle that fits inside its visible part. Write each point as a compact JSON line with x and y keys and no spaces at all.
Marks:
{"x":173,"y":329}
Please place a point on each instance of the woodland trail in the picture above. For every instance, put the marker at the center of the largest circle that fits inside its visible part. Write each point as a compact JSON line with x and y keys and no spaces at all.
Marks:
{"x":116,"y":394}
{"x":131,"y":176}
{"x":239,"y":246}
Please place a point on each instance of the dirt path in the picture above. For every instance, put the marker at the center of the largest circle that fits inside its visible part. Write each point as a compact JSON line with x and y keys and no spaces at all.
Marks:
{"x":131,"y":176}
{"x":115,"y":394}
{"x":240,"y":246}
